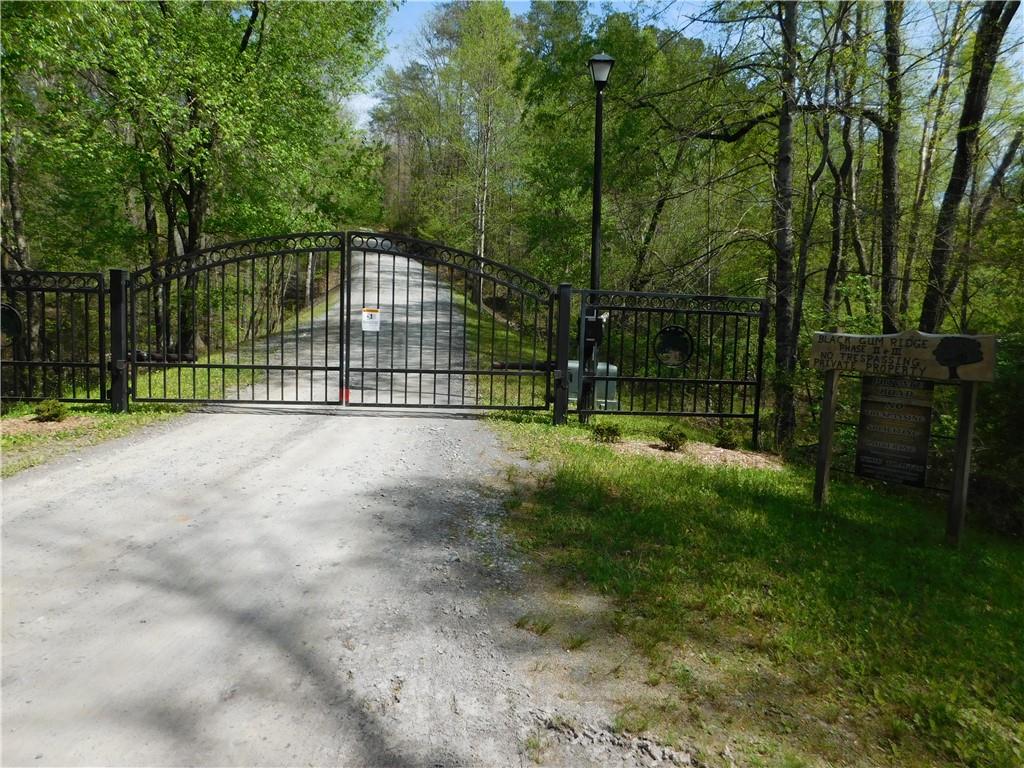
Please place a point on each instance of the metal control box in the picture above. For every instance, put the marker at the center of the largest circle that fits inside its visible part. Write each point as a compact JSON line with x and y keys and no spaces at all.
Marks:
{"x":607,"y":392}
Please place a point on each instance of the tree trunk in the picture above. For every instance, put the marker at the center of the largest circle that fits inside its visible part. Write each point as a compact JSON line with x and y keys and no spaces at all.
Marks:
{"x":937,"y":98}
{"x":481,"y":214}
{"x":979,"y":215}
{"x":785,"y":343}
{"x":890,"y":131}
{"x":810,"y":213}
{"x":995,"y":18}
{"x":637,"y":280}
{"x":18,"y":250}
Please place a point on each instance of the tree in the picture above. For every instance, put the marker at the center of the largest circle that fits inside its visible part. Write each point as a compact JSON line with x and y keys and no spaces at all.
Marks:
{"x":992,"y":26}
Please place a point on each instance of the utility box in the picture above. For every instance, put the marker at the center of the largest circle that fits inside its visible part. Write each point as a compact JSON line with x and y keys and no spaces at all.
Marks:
{"x":606,"y":395}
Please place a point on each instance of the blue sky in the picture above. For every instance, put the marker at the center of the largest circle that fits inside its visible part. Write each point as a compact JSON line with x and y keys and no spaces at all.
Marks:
{"x":404,"y":25}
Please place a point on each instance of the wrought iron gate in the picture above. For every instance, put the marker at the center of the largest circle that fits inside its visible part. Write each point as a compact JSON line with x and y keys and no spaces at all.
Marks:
{"x":255,"y":321}
{"x":378,"y":320}
{"x":280,"y":320}
{"x":444,"y":328}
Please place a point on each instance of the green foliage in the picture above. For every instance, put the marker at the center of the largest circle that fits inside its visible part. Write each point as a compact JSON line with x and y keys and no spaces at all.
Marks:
{"x":673,"y":437}
{"x":725,"y":437}
{"x":860,"y":615}
{"x":51,"y":410}
{"x":606,"y":432}
{"x":214,"y":119}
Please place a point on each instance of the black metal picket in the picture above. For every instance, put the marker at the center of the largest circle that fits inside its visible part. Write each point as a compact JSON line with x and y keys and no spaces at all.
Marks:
{"x":55,"y":336}
{"x":378,"y":320}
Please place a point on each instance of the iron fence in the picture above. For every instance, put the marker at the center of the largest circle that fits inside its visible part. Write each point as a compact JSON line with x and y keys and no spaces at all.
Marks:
{"x":54,"y":336}
{"x":663,"y":354}
{"x":379,"y":320}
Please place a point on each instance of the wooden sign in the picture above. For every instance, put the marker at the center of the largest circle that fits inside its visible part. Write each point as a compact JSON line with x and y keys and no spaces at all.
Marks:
{"x":911,"y":354}
{"x":894,"y":430}
{"x":892,"y":441}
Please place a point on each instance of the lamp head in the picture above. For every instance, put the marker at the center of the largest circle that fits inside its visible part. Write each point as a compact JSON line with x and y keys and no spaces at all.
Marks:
{"x":600,"y":67}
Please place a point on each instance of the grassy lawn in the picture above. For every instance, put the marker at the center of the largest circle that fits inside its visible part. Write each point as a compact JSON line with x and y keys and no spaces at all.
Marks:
{"x":850,"y":637}
{"x":490,"y":338}
{"x":25,"y":442}
{"x":189,"y":382}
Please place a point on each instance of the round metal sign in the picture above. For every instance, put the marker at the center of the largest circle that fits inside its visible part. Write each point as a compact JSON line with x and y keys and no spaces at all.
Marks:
{"x":673,"y":346}
{"x":10,"y":321}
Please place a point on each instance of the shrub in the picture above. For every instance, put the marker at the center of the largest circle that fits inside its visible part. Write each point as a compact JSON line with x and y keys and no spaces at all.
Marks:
{"x":724,"y":438}
{"x":673,"y":437}
{"x":51,"y":410}
{"x":607,"y":433}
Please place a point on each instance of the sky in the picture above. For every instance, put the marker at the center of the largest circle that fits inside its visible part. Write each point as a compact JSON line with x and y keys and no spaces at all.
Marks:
{"x":405,"y":23}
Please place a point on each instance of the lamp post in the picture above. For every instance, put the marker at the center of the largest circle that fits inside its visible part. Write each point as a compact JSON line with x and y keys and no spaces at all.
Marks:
{"x":600,"y":67}
{"x":591,"y":327}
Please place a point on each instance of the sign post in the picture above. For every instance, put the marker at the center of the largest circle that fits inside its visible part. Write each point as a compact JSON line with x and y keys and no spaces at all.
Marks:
{"x":895,"y":415}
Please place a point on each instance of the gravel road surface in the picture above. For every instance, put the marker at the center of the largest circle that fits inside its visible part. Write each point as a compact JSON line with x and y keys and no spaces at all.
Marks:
{"x":264,"y":585}
{"x":257,"y":589}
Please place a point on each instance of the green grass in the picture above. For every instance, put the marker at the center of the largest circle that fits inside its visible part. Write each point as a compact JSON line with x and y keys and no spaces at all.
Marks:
{"x":848,"y":636}
{"x":187,"y":382}
{"x":199,"y":384}
{"x":86,"y":424}
{"x":489,"y":337}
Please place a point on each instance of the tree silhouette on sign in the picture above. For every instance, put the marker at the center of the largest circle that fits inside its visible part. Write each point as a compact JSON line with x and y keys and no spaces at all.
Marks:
{"x":954,"y":351}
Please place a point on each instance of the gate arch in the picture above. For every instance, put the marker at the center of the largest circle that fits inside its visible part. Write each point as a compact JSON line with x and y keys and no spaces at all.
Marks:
{"x":279,"y":320}
{"x":457,"y":330}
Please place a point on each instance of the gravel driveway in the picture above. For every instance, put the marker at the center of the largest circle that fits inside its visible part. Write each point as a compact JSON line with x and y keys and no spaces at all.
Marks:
{"x":257,"y":589}
{"x":259,"y":585}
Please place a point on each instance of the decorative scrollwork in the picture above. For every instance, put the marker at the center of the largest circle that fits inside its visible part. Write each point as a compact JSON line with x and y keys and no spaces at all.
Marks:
{"x":438,"y":253}
{"x":739,"y":305}
{"x":33,"y":280}
{"x":208,"y":258}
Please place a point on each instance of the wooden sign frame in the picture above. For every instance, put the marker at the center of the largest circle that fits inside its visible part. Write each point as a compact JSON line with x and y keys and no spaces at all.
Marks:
{"x":957,"y":360}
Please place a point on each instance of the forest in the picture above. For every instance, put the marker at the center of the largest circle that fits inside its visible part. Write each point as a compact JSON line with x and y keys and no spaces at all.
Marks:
{"x":858,"y":164}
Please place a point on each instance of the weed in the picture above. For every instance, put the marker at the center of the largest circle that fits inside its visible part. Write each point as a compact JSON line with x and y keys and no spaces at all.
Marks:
{"x":631,"y":719}
{"x":51,"y":410}
{"x":575,"y":641}
{"x":673,"y":437}
{"x":534,"y":747}
{"x":539,"y":625}
{"x":607,"y":433}
{"x":726,"y":438}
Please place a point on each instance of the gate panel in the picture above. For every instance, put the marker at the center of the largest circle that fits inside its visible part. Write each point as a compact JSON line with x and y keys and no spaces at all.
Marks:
{"x":454,"y":331}
{"x":54,"y":336}
{"x":253,"y":321}
{"x":677,"y":355}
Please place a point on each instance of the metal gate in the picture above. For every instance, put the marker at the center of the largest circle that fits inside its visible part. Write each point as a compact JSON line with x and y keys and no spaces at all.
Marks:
{"x":256,"y":321}
{"x":434,"y":327}
{"x":377,"y":320}
{"x":356,"y":318}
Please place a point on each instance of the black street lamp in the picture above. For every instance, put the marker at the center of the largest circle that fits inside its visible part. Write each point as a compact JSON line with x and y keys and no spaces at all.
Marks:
{"x":600,"y":67}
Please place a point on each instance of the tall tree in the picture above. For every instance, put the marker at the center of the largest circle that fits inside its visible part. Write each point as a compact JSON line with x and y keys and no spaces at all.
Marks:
{"x":992,"y":26}
{"x":782,"y":219}
{"x":890,"y":130}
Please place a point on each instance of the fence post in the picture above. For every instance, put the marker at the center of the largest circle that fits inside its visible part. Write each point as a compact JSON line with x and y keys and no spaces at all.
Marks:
{"x":762,"y":331}
{"x":562,"y":354}
{"x":118,"y":340}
